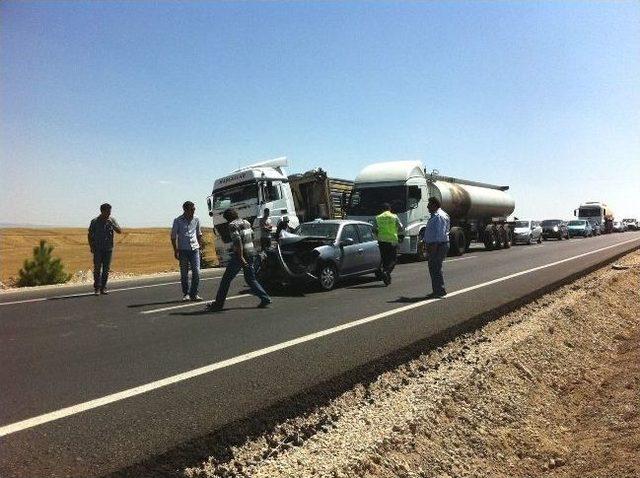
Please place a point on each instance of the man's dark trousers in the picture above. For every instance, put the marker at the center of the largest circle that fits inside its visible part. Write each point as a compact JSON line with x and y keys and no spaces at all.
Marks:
{"x":388,"y":251}
{"x":101,"y":263}
{"x":232,"y":270}
{"x":189,"y":259}
{"x":436,"y":258}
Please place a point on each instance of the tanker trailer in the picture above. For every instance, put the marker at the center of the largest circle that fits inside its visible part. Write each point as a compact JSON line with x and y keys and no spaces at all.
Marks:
{"x":478,"y":211}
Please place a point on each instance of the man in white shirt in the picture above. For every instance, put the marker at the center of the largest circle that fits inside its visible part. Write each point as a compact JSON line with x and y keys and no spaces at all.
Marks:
{"x":436,"y":238}
{"x":186,"y":238}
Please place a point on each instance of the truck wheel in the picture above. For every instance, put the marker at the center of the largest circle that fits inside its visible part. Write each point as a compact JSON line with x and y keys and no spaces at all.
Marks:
{"x":489,"y":240}
{"x":457,"y":242}
{"x":506,"y":238}
{"x":328,"y":277}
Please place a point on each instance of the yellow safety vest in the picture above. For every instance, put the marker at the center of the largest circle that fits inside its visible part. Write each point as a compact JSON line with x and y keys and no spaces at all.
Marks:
{"x":387,"y":227}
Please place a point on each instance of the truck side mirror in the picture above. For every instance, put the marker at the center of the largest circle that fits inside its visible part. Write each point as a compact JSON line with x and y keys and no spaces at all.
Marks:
{"x":574,"y":212}
{"x":210,"y":206}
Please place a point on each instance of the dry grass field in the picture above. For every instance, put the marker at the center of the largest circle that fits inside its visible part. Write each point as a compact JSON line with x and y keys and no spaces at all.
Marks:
{"x":137,"y":251}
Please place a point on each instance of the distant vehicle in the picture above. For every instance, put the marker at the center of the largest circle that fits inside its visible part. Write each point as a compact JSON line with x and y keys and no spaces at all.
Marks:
{"x":597,"y":230}
{"x":554,"y":228}
{"x":580,"y":227}
{"x":619,"y":226}
{"x":631,"y":223}
{"x":527,"y":232}
{"x":323,"y":252}
{"x":596,"y":211}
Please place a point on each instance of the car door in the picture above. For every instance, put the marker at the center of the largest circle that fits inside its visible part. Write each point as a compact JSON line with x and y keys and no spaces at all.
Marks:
{"x":352,"y":256}
{"x":369,"y":243}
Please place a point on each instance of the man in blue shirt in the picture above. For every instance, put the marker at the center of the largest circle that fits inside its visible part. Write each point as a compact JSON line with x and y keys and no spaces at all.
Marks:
{"x":186,"y":238}
{"x":436,"y":238}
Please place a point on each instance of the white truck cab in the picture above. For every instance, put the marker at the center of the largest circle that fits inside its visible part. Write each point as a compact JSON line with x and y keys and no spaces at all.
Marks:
{"x":251,"y":190}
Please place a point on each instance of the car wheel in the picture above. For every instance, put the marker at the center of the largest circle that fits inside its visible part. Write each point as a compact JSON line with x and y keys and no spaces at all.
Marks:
{"x":328,"y":276}
{"x":539,"y":239}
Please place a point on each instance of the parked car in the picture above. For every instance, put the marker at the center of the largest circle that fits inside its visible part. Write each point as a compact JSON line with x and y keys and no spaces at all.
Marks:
{"x":619,"y":226}
{"x":323,"y":252}
{"x":554,"y":228}
{"x":595,"y":227}
{"x":631,"y":223}
{"x":527,"y":232}
{"x":580,"y":227}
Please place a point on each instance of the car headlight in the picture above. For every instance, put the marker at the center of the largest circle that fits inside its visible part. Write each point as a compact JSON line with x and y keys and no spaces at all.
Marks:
{"x":555,"y":228}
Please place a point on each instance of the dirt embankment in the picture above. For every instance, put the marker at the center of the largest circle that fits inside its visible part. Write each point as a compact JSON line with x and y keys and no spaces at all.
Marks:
{"x":552,"y":389}
{"x":137,"y":251}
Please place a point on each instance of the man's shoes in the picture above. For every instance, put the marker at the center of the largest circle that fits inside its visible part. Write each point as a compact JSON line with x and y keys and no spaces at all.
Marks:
{"x":96,"y":291}
{"x":186,"y":298}
{"x":386,"y":278}
{"x":264,"y":303}
{"x":104,"y":292}
{"x":196,"y":298}
{"x":213,"y":307}
{"x":434,"y":295}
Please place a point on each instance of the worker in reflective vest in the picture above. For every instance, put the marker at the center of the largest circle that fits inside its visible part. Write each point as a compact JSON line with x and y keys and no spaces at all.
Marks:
{"x":388,"y":228}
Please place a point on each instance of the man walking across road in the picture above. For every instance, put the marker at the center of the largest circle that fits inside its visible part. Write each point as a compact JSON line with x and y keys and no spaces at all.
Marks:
{"x":242,"y":258}
{"x":436,"y":238}
{"x":388,"y":227}
{"x":101,"y":244}
{"x":186,"y":238}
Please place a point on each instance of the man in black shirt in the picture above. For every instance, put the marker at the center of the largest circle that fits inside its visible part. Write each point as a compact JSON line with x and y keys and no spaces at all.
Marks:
{"x":101,"y":244}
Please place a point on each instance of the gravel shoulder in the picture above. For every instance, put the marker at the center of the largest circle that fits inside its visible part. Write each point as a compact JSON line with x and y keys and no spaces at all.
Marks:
{"x":551,"y":389}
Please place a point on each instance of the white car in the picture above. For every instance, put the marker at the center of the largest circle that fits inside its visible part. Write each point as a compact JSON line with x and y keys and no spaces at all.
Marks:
{"x":527,"y":232}
{"x":631,"y":223}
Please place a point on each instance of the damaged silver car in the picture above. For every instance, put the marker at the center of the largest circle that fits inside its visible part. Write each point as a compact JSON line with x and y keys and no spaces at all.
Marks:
{"x":323,"y":252}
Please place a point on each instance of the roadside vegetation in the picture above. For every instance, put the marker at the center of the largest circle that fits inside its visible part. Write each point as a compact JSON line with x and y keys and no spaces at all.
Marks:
{"x":43,"y":269}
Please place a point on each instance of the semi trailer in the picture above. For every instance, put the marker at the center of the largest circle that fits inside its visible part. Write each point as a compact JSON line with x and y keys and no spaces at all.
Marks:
{"x":478,"y":211}
{"x":266,"y":185}
{"x":595,"y":211}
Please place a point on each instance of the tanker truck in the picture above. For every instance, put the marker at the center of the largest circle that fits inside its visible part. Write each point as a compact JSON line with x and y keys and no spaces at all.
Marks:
{"x":478,"y":211}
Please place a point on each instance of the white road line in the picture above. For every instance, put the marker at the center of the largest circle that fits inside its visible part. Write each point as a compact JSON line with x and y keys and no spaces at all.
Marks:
{"x":191,"y":304}
{"x":459,"y":259}
{"x":84,"y":294}
{"x":148,"y":387}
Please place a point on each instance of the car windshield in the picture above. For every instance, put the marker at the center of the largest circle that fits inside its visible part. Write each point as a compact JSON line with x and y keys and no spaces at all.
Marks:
{"x":317,"y":229}
{"x":369,"y":201}
{"x":590,"y":212}
{"x":521,"y":224}
{"x":577,"y":223}
{"x":225,"y":198}
{"x":551,"y":222}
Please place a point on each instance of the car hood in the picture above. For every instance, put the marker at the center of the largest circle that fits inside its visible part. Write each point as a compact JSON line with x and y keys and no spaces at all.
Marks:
{"x":577,"y":227}
{"x":299,"y":254}
{"x":521,"y":230}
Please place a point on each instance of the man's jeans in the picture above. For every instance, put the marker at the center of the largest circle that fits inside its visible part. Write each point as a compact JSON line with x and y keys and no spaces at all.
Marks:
{"x":101,"y":263}
{"x":232,"y":270}
{"x":436,"y":259}
{"x":189,"y":259}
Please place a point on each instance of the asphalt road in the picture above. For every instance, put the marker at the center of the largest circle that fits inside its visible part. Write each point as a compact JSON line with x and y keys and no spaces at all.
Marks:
{"x":91,"y":385}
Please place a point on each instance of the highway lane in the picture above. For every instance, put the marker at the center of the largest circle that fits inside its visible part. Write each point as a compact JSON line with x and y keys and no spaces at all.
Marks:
{"x":64,"y":352}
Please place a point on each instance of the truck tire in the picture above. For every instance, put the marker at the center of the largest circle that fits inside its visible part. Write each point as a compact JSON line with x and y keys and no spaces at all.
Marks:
{"x":489,"y":239}
{"x":457,"y":242}
{"x":506,"y":237}
{"x":499,"y":238}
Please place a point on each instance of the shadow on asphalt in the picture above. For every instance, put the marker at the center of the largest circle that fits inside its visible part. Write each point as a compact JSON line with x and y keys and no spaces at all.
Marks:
{"x":407,"y":300}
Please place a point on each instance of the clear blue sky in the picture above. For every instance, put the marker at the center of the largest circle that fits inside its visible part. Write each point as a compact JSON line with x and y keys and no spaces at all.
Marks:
{"x":144,"y":104}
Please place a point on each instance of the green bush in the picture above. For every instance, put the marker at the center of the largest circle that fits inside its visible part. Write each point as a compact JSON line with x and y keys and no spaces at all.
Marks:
{"x":42,"y":269}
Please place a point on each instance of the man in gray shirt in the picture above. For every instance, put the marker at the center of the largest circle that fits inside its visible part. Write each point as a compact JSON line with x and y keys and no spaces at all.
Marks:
{"x":101,"y":244}
{"x":186,"y":239}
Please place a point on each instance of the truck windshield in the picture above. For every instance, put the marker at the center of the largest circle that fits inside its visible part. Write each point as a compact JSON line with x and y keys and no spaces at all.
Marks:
{"x":225,"y":198}
{"x":590,"y":212}
{"x":521,"y":224}
{"x":369,"y":201}
{"x":318,"y":229}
